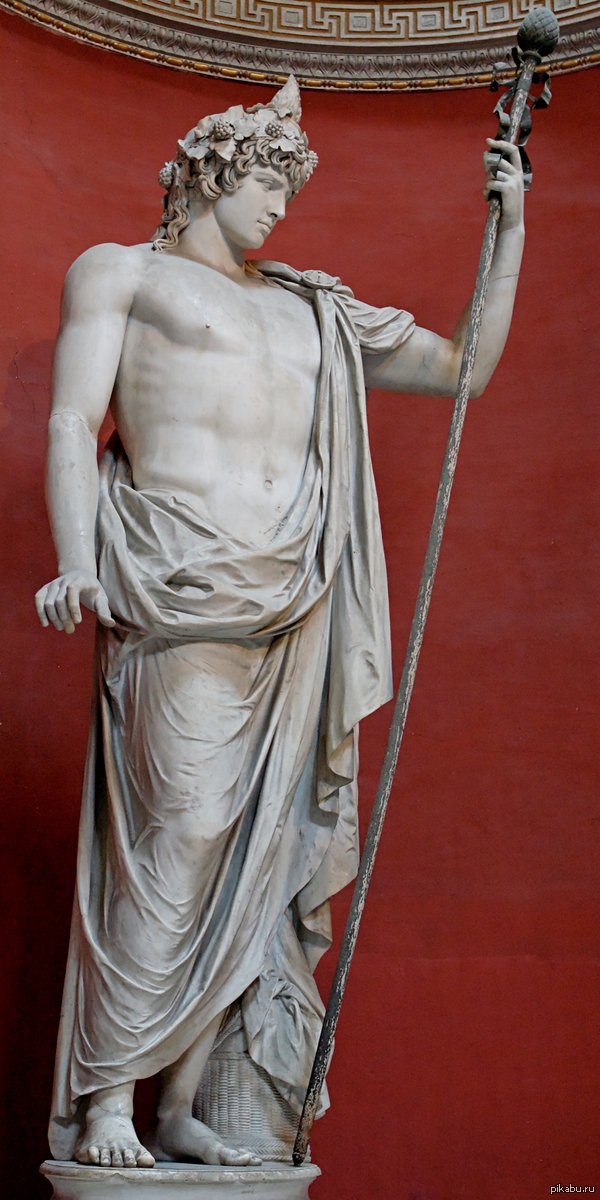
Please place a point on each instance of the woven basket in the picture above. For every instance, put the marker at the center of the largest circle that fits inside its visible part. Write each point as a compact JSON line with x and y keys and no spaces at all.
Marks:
{"x":237,"y":1100}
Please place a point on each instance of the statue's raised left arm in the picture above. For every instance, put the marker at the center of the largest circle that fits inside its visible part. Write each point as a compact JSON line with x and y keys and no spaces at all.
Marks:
{"x":428,"y":364}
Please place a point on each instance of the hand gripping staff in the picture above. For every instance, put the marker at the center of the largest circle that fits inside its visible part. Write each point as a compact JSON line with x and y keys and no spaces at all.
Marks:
{"x":537,"y":36}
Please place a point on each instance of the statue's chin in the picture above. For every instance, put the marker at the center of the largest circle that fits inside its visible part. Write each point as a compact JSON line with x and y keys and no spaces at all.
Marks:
{"x":259,"y":238}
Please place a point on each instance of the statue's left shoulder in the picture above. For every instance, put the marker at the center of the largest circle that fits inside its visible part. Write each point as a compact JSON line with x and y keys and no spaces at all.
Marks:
{"x":311,"y":279}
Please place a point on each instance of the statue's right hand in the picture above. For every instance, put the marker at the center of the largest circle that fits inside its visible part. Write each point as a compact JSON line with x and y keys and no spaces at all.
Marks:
{"x":59,"y":602}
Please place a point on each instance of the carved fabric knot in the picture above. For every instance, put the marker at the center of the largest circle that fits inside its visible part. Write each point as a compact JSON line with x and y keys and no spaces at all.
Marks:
{"x":320,"y":279}
{"x":165,"y":176}
{"x":275,"y":129}
{"x":222,"y":130}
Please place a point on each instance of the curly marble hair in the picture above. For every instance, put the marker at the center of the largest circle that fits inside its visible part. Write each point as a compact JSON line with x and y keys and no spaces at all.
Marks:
{"x":220,"y":151}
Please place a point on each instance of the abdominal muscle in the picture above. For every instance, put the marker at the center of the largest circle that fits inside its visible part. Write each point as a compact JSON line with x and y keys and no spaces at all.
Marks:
{"x":220,"y":435}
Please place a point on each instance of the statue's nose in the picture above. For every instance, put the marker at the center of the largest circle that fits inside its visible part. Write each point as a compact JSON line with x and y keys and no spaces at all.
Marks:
{"x":277,"y":205}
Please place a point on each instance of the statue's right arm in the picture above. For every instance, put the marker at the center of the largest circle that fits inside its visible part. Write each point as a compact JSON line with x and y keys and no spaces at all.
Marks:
{"x":97,"y":297}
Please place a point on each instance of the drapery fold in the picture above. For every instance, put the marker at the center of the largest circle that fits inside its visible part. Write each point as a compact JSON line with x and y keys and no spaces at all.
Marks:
{"x":219,"y":806}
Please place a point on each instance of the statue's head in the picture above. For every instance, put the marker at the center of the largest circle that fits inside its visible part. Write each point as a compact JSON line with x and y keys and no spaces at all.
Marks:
{"x":223,"y":150}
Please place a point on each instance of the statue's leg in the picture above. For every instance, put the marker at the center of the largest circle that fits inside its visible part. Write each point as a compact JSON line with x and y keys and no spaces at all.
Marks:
{"x":184,"y":841}
{"x":178,"y":1134}
{"x":110,"y":1139}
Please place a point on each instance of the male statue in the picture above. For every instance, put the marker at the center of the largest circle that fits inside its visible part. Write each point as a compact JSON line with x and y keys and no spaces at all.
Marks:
{"x":229,"y":544}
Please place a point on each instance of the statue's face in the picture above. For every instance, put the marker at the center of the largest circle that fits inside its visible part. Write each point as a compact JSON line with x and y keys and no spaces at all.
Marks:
{"x":247,"y":216}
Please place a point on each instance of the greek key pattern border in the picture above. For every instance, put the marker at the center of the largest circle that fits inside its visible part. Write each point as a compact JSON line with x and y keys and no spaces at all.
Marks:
{"x":377,"y":23}
{"x":191,"y":50}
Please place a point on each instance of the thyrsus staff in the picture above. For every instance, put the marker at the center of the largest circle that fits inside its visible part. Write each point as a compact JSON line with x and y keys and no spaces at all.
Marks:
{"x":537,"y":36}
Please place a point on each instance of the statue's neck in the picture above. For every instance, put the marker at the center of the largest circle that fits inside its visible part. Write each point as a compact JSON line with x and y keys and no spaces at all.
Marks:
{"x":203,"y":241}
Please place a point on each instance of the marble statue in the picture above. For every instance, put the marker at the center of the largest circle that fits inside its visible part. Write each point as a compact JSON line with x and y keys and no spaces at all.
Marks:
{"x":229,"y":545}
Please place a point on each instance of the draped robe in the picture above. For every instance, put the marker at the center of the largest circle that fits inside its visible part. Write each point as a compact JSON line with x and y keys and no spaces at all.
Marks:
{"x":219,"y":803}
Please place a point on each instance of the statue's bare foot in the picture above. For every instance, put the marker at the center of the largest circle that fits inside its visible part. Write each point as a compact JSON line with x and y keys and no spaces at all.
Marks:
{"x":179,"y":1135}
{"x":110,"y":1141}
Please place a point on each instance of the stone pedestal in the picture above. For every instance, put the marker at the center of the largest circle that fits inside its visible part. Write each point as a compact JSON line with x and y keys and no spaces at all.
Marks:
{"x":179,"y":1181}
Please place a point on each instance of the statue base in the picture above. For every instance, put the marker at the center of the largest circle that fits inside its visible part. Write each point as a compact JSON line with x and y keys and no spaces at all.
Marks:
{"x":179,"y":1181}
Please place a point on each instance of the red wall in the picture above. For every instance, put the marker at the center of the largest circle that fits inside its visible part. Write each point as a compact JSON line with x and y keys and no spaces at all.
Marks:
{"x":467,"y":1057}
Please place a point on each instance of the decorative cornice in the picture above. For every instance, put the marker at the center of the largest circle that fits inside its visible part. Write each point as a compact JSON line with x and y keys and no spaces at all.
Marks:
{"x":183,"y":47}
{"x":373,"y":24}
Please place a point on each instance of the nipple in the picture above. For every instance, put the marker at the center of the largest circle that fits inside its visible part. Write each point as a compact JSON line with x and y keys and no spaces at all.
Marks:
{"x":268,"y":484}
{"x":207,"y":323}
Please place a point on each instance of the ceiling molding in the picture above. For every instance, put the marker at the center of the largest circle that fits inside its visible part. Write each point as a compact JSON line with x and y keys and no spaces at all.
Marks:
{"x":357,"y":24}
{"x":175,"y":33}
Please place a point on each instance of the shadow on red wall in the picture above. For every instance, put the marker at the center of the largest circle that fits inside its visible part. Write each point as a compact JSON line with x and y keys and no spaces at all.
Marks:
{"x":467,"y":1058}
